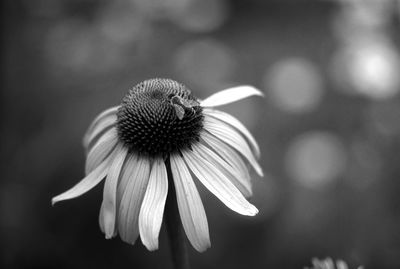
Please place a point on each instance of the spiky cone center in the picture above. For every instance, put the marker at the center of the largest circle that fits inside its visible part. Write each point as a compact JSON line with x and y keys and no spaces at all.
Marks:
{"x":158,"y":117}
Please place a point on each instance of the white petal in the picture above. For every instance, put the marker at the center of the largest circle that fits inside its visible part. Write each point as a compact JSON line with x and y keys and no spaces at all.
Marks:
{"x":152,"y":209}
{"x":216,"y":182}
{"x":101,"y":217}
{"x":101,"y":149}
{"x":110,"y":190}
{"x":241,"y":183}
{"x":190,"y":206}
{"x":228,"y":154}
{"x":230,"y":136}
{"x":230,"y":95}
{"x":229,"y":119}
{"x":103,"y":126}
{"x":85,"y":184}
{"x":105,"y":114}
{"x":131,"y":189}
{"x":98,"y":130}
{"x":101,"y":116}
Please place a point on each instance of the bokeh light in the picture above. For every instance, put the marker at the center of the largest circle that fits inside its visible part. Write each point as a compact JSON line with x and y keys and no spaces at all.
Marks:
{"x":122,"y":25}
{"x":367,"y":63}
{"x":77,"y":47}
{"x":294,"y":85}
{"x":202,"y":16}
{"x":370,"y":68}
{"x":206,"y":63}
{"x":315,"y":159}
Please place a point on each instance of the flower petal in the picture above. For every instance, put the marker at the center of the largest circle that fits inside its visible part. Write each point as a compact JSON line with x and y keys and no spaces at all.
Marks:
{"x":131,"y":189}
{"x":229,"y":119}
{"x":152,"y":209}
{"x":190,"y":206}
{"x":101,"y":217}
{"x":228,"y":154}
{"x":102,"y":126}
{"x":230,"y":136}
{"x":106,"y":113}
{"x":101,"y":149}
{"x":230,"y":95}
{"x":85,"y":184}
{"x":110,"y":190}
{"x":242,"y":184}
{"x":216,"y":182}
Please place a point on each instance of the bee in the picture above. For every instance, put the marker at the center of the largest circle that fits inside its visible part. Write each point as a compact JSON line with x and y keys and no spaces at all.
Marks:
{"x":180,"y":104}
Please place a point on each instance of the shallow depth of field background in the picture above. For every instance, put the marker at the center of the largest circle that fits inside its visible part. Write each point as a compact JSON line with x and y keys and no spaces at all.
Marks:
{"x":328,"y":128}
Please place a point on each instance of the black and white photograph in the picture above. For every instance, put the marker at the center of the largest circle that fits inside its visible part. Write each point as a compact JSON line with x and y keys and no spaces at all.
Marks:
{"x":200,"y":134}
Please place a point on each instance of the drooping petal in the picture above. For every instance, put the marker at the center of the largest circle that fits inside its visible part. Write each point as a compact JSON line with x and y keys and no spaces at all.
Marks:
{"x":110,"y":190}
{"x":101,"y":116}
{"x":230,"y":95}
{"x":152,"y":209}
{"x":105,"y":124}
{"x":228,"y":154}
{"x":131,"y":190}
{"x":216,"y":182}
{"x":236,"y":178}
{"x":230,"y":136}
{"x":101,"y":217}
{"x":229,"y":119}
{"x":85,"y":184}
{"x":190,"y":206}
{"x":105,"y":114}
{"x":101,"y":149}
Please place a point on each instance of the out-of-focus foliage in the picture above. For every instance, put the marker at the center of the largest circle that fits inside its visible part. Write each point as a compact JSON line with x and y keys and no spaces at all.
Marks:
{"x":329,"y":127}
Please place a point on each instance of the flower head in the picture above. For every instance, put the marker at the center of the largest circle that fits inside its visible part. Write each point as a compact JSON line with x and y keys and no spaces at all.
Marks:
{"x":162,"y":127}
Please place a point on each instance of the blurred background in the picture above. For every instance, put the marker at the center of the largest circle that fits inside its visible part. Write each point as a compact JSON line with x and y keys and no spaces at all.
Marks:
{"x":328,"y":127}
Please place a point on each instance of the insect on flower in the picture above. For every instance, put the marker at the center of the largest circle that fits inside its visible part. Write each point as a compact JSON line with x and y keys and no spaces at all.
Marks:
{"x":161,"y":134}
{"x":180,"y":104}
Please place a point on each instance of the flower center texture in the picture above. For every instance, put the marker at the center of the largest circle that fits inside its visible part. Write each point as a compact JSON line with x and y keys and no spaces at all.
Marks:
{"x":159,"y":117}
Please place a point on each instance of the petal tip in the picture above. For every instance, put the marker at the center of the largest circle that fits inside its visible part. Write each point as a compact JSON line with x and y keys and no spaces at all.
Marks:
{"x":254,"y":211}
{"x":107,"y":236}
{"x":110,"y":236}
{"x":108,"y":225}
{"x":151,"y":246}
{"x":55,"y":200}
{"x":259,"y":170}
{"x":256,"y":91}
{"x":203,"y":248}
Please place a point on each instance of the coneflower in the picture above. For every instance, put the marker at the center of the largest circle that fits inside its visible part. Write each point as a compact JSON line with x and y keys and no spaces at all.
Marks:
{"x":161,"y":134}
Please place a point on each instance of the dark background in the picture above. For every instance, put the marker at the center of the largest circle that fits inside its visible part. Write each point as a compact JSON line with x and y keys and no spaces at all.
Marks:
{"x":328,"y":127}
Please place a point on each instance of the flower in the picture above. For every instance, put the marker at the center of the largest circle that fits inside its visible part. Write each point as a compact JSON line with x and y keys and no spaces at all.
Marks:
{"x":161,"y":127}
{"x":328,"y":263}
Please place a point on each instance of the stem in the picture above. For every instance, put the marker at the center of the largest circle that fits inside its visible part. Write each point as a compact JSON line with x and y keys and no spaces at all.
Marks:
{"x":176,"y":234}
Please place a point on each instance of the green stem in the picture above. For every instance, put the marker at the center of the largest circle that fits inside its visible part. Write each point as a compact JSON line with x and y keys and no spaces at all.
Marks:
{"x":176,"y":234}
